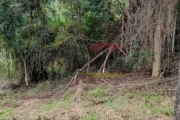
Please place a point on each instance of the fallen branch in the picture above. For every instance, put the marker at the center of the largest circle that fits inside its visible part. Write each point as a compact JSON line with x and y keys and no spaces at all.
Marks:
{"x":73,"y":80}
{"x":78,"y":93}
{"x":103,"y":67}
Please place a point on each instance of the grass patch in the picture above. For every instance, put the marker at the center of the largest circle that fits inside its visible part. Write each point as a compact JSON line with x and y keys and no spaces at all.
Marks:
{"x":117,"y":103}
{"x":90,"y":116}
{"x":10,"y":98}
{"x":67,"y":100}
{"x":49,"y":106}
{"x":6,"y":113}
{"x":4,"y":92}
{"x":133,"y":105}
{"x":68,"y":97}
{"x":97,"y":92}
{"x":167,"y":110}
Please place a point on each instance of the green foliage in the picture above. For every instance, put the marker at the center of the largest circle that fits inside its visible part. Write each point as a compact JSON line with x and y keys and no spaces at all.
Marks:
{"x":178,"y":10}
{"x":92,"y":24}
{"x":35,"y":34}
{"x":139,"y":56}
{"x":47,"y":31}
{"x":7,"y":67}
{"x":94,"y":18}
{"x":6,"y":113}
{"x":167,"y":110}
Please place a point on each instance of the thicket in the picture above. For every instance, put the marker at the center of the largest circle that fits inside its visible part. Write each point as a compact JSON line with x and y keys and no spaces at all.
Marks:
{"x":50,"y":39}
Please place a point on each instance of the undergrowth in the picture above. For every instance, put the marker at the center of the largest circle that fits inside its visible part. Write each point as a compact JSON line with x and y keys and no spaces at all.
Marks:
{"x":134,"y":105}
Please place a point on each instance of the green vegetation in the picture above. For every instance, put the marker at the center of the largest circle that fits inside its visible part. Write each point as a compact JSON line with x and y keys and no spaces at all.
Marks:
{"x":40,"y":42}
{"x":6,"y":113}
{"x":126,"y":105}
{"x":50,"y":105}
{"x":90,"y":116}
{"x":44,"y":42}
{"x":66,"y":100}
{"x":97,"y":92}
{"x":141,"y":102}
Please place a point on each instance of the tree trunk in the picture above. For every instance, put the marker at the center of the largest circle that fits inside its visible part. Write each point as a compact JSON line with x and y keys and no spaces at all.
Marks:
{"x":21,"y":72}
{"x":157,"y":52}
{"x":177,"y":101}
{"x":27,"y":79}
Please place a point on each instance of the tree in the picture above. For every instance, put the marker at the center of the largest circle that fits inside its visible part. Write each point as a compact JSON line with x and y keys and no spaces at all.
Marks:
{"x":177,"y":101}
{"x":146,"y":34}
{"x":157,"y":52}
{"x":28,"y":35}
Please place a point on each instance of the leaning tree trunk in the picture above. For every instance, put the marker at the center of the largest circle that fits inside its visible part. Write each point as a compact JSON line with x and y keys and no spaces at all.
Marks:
{"x":26,"y":74}
{"x":177,"y":101}
{"x":157,"y":52}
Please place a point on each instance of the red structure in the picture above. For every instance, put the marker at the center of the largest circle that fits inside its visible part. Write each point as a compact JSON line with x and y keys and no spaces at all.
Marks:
{"x":99,"y":46}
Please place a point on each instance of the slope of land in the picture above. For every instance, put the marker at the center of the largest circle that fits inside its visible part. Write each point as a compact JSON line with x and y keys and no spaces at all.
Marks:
{"x":133,"y":96}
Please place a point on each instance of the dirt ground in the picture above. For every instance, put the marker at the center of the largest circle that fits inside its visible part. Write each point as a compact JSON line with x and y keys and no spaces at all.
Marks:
{"x":133,"y":96}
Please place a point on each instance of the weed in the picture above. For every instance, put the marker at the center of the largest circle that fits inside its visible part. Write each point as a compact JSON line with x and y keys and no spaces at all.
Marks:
{"x":68,"y":97}
{"x":66,"y":100}
{"x":5,"y":113}
{"x":108,"y":99}
{"x":98,"y":92}
{"x":51,"y":105}
{"x":154,"y":109}
{"x":132,"y":117}
{"x":168,"y":110}
{"x":2,"y":92}
{"x":116,"y":103}
{"x":5,"y":92}
{"x":90,"y":116}
{"x":130,"y":95}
